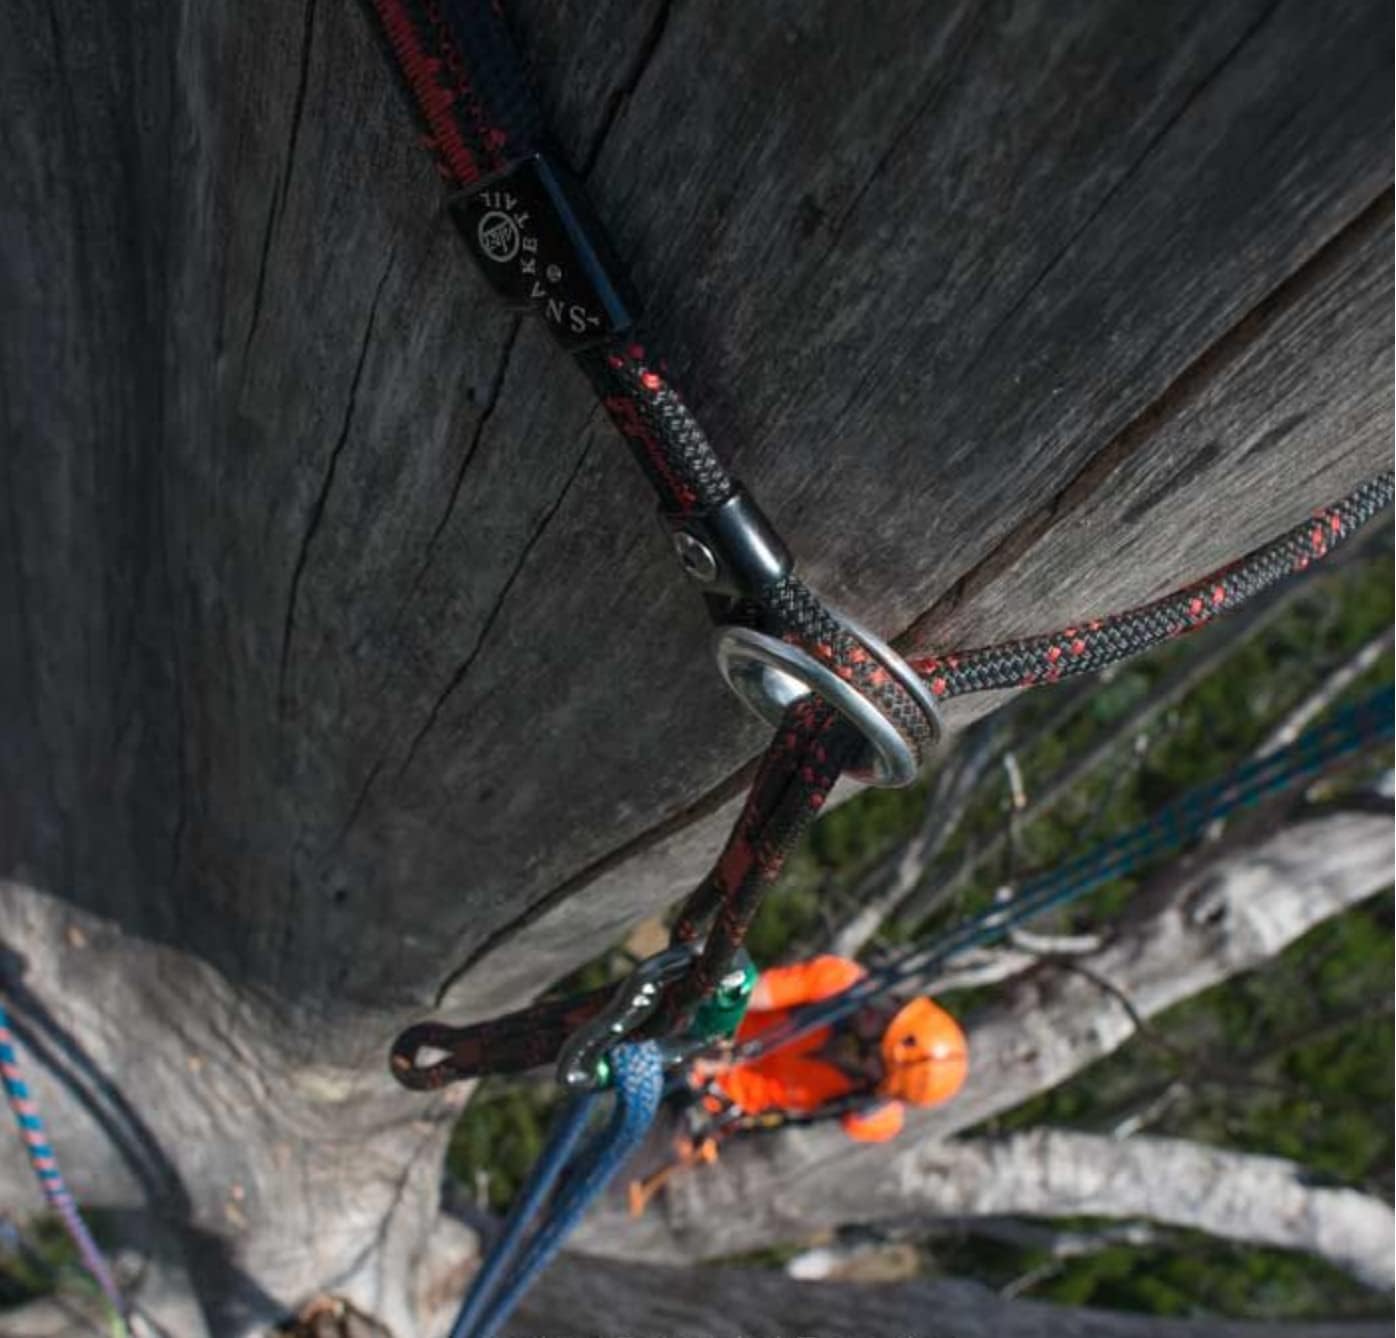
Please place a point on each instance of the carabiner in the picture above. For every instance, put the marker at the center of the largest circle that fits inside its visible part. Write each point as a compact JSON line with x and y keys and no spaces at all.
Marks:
{"x":581,"y":1063}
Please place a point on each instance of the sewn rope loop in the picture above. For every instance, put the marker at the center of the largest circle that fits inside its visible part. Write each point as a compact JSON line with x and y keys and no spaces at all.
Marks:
{"x":511,"y":1265}
{"x":46,"y":1170}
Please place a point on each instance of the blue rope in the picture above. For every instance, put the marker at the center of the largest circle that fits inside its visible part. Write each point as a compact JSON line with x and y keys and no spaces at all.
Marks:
{"x":1368,"y":721}
{"x":50,"y":1178}
{"x":638,"y":1079}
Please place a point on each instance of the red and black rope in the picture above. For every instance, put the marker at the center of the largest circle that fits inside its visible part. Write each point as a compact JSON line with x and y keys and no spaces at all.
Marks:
{"x":814,"y":746}
{"x":1089,"y":646}
{"x":458,"y":64}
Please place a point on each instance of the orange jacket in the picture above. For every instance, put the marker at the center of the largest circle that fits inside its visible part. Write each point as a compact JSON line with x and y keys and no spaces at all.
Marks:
{"x":793,"y":1078}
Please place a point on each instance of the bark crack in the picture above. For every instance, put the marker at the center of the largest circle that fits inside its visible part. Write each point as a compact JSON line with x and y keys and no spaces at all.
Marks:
{"x":317,"y":509}
{"x":267,"y":231}
{"x":927,"y":104}
{"x":1185,"y":388}
{"x":486,"y":413}
{"x":360,"y":800}
{"x":278,"y":198}
{"x":707,"y":803}
{"x":991,"y":340}
{"x":307,"y":37}
{"x":496,"y":608}
{"x":396,"y":1196}
{"x":625,"y":90}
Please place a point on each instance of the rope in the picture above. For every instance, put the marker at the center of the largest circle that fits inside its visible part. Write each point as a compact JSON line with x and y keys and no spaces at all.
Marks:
{"x":473,"y":95}
{"x":483,"y":123}
{"x":811,"y":749}
{"x":50,"y":1178}
{"x":638,"y":1072}
{"x":804,"y":761}
{"x":1173,"y":826}
{"x":1091,"y":646}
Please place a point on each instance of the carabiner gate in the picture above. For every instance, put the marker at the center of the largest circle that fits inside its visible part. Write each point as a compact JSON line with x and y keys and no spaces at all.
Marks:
{"x":581,"y":1063}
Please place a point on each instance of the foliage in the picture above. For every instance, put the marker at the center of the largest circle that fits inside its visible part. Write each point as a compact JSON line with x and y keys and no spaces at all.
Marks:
{"x":1181,"y":1274}
{"x":39,"y":1258}
{"x":496,"y":1141}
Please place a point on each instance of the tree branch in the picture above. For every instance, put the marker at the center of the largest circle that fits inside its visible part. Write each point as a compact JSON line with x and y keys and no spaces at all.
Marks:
{"x":1233,"y":1195}
{"x":1330,"y":688}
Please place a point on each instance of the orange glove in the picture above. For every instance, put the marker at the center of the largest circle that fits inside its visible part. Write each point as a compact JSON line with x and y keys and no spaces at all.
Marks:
{"x":879,"y":1124}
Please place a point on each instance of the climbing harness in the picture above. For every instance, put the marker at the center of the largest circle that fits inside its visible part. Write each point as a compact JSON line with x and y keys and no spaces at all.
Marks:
{"x":637,"y":1072}
{"x":839,"y":698}
{"x":45,"y":1164}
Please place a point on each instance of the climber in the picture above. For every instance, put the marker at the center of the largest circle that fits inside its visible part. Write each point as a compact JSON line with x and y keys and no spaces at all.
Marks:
{"x":864,"y":1070}
{"x":888,"y":1054}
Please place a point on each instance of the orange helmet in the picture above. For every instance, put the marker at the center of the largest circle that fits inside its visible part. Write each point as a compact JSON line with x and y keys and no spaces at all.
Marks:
{"x":924,"y":1054}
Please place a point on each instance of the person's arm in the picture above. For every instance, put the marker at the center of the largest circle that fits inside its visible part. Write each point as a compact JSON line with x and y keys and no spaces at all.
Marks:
{"x":751,"y":1089}
{"x":804,"y":982}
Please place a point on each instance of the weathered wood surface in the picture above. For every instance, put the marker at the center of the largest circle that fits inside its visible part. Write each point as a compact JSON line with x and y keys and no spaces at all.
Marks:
{"x":588,"y":1298}
{"x":342,"y":661}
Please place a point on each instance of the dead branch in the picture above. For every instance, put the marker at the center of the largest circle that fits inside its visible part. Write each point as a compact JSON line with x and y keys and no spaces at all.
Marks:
{"x":1330,"y":688}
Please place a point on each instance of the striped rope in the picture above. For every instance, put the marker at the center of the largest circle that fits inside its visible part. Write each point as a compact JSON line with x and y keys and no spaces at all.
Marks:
{"x":45,"y":1163}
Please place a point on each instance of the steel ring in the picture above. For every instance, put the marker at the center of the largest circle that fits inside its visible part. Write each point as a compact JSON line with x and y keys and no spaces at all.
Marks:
{"x":916,"y":687}
{"x":770,"y":675}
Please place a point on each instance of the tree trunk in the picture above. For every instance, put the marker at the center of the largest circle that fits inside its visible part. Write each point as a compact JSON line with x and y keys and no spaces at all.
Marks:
{"x":593,"y":1297}
{"x":346,"y":676}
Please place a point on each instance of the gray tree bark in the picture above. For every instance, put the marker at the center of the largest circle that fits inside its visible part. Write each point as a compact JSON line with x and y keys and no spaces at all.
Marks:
{"x":1057,"y":1173}
{"x":604,"y":1298}
{"x":344,"y":677}
{"x":584,"y":1298}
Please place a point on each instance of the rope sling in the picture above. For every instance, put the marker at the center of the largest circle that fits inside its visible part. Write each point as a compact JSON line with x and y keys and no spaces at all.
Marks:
{"x":841,"y":701}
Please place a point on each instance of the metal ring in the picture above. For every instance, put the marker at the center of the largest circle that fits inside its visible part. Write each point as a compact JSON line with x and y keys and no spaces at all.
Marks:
{"x":917,"y":688}
{"x":770,"y":675}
